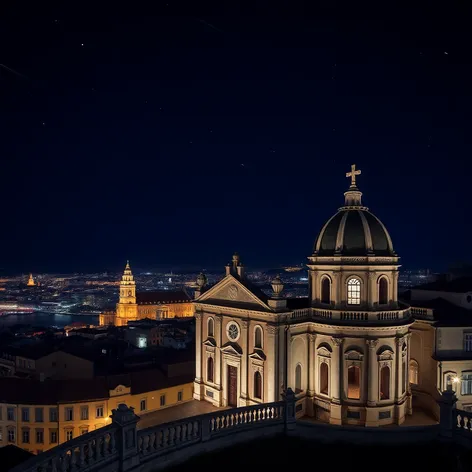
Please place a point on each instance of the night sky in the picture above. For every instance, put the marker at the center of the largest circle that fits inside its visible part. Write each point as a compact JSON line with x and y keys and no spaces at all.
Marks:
{"x":178,"y":136}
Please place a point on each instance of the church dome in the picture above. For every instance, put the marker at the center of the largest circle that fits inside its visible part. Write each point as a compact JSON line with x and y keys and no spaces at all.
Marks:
{"x":354,"y":230}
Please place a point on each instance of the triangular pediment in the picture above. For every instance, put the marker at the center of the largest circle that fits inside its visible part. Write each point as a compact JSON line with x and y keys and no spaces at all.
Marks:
{"x":209,"y":342}
{"x":232,"y":292}
{"x":232,"y":348}
{"x":258,"y":355}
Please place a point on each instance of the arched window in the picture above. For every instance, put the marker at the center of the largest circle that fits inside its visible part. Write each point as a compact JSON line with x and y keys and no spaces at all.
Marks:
{"x":257,"y":385}
{"x":324,"y":378}
{"x":354,"y":292}
{"x":354,"y":382}
{"x":413,"y":372}
{"x":326,"y":290}
{"x":383,"y":291}
{"x":298,"y":378}
{"x":385,"y":383}
{"x":210,"y":369}
{"x":211,"y":325}
{"x":258,"y":337}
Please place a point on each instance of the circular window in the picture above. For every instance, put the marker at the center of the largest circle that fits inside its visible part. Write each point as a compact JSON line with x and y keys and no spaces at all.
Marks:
{"x":232,"y":330}
{"x":469,"y":298}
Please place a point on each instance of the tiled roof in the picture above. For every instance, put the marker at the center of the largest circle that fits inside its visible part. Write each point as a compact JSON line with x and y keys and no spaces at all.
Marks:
{"x":51,"y":392}
{"x":162,"y":297}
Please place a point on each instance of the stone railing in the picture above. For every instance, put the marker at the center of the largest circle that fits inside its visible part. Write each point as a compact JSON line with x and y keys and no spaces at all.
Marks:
{"x":424,"y":313}
{"x":121,"y":447}
{"x":321,"y":314}
{"x":169,"y":437}
{"x":91,"y":451}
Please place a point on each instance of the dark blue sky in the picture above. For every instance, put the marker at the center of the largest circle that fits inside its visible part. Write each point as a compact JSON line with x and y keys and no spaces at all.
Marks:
{"x":132,"y":145}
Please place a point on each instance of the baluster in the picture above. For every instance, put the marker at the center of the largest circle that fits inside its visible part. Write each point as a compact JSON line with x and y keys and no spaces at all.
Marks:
{"x":196,"y":429}
{"x":53,"y":464}
{"x":73,"y":459}
{"x":64,"y":459}
{"x":82,"y":455}
{"x":152,"y":444}
{"x":178,"y":434}
{"x":165,"y":438}
{"x":106,"y":444}
{"x":461,"y":421}
{"x":89,"y":452}
{"x":112,"y":442}
{"x":144,"y":444}
{"x":98,"y":448}
{"x":185,"y":436}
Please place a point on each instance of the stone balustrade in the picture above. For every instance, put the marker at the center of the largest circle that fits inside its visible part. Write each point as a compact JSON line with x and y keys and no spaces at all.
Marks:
{"x":314,"y":314}
{"x":161,"y":439}
{"x":120,"y":446}
{"x":91,"y":451}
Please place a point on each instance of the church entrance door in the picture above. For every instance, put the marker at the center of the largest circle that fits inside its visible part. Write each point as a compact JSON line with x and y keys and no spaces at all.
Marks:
{"x":232,"y":386}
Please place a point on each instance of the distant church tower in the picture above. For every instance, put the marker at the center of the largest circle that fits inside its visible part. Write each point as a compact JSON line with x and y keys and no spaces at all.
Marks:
{"x":127,"y":308}
{"x":31,"y":282}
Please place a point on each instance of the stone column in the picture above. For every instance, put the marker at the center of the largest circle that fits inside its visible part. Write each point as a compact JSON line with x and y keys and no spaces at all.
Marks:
{"x":336,"y":289}
{"x":372,"y":386}
{"x":244,"y":359}
{"x":409,"y":405}
{"x":270,"y":373}
{"x":312,"y":374}
{"x":398,"y":369}
{"x":336,"y":381}
{"x":311,"y":364}
{"x":394,"y":296}
{"x":371,"y":289}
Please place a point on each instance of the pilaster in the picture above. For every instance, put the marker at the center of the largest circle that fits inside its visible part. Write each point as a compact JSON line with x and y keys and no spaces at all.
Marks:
{"x":244,"y":361}
{"x":398,"y":364}
{"x":336,"y":376}
{"x":270,"y":364}
{"x":197,"y":389}
{"x":218,"y":335}
{"x":311,"y":374}
{"x":371,"y":289}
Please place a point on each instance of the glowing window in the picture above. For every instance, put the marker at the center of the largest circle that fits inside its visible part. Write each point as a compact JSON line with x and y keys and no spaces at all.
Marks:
{"x":413,"y":372}
{"x":354,"y":292}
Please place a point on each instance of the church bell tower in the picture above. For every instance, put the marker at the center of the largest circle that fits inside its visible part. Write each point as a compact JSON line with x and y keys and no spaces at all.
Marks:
{"x":126,"y":308}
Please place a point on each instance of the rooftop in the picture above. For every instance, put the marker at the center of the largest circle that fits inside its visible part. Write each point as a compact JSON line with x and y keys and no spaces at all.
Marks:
{"x":162,"y":297}
{"x":459,"y":285}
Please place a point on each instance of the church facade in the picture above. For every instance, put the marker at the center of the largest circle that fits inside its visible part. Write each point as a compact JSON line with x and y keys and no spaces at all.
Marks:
{"x":344,"y":350}
{"x":351,"y":351}
{"x":155,"y":305}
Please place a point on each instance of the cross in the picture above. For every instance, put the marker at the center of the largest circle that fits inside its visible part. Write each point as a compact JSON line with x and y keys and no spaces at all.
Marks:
{"x":353,"y":174}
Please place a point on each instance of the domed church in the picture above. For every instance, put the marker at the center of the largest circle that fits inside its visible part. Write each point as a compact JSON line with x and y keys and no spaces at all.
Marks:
{"x":344,"y":350}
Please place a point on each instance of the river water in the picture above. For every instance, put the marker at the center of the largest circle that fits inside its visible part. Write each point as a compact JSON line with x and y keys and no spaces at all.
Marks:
{"x":43,"y":319}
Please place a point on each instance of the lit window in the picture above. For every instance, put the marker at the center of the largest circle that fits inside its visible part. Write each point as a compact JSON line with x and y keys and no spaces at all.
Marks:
{"x":354,"y":382}
{"x":84,"y":413}
{"x":53,"y":438}
{"x":354,"y":292}
{"x":468,"y":342}
{"x":466,"y":384}
{"x":100,"y":411}
{"x":69,"y":435}
{"x":40,"y":436}
{"x":11,"y":435}
{"x":69,"y":414}
{"x":413,"y":373}
{"x":26,"y":436}
{"x":25,"y":414}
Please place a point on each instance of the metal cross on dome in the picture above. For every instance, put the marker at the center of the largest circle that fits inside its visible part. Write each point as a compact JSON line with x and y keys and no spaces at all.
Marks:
{"x":353,"y":174}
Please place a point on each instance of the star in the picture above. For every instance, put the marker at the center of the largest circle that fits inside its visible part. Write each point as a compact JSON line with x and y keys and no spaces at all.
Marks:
{"x":43,"y":123}
{"x":82,"y":44}
{"x":446,"y":53}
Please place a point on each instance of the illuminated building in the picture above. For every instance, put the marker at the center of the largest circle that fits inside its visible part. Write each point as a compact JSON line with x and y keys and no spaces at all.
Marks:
{"x":31,"y":282}
{"x":134,"y":306}
{"x":344,"y":350}
{"x":37,"y":416}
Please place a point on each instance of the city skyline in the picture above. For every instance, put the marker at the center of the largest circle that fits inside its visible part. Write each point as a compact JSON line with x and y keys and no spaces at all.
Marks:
{"x":178,"y":140}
